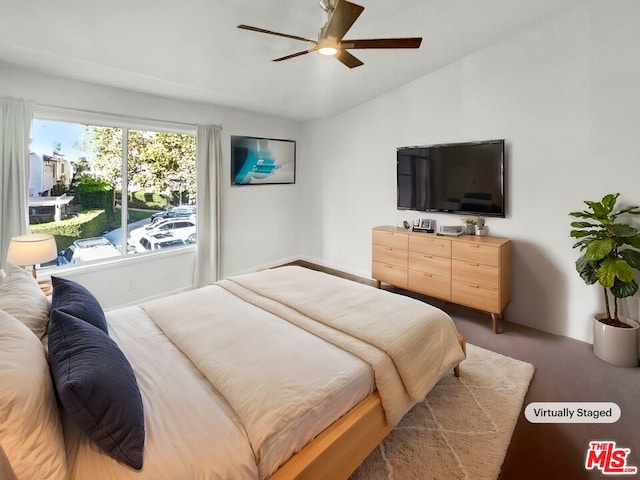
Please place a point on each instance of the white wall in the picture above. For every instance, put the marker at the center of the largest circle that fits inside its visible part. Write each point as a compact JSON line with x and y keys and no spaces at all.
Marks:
{"x":256,"y":220}
{"x":564,"y":94}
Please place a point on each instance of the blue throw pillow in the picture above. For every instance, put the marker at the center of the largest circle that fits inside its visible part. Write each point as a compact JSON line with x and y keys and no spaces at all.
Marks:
{"x":74,"y":299}
{"x":97,"y":387}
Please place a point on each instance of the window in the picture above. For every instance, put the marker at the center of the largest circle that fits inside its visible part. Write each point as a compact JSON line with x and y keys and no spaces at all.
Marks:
{"x":106,"y":191}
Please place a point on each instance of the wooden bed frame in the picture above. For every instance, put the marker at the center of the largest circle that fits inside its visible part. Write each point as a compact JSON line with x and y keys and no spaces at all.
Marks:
{"x":338,"y":451}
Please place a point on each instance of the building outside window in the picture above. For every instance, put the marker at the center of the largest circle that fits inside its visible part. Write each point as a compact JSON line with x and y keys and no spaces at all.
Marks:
{"x":107,"y":191}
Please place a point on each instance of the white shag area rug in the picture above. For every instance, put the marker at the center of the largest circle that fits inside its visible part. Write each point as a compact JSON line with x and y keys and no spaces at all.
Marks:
{"x":461,"y":430}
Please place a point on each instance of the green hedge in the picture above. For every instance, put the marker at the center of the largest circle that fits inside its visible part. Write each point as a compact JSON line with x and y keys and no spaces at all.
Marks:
{"x":87,"y":224}
{"x":144,"y":200}
{"x":91,"y":193}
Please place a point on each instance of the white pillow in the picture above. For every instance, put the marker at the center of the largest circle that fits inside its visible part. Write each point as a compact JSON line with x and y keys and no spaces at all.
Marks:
{"x":21,"y":296}
{"x":30,"y":428}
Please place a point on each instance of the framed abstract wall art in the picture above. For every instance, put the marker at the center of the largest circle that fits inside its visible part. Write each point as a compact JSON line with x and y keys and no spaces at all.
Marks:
{"x":259,"y":161}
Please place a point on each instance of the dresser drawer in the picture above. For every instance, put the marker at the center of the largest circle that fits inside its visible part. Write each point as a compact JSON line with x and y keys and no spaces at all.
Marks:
{"x":476,"y":296}
{"x":472,"y":252}
{"x":426,"y":263}
{"x":391,"y":274}
{"x":392,"y":256}
{"x":475,"y":273}
{"x":429,"y":284}
{"x":430,"y":244}
{"x":390,"y":239}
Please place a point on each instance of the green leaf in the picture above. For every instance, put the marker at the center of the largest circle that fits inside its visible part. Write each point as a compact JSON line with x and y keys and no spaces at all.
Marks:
{"x":609,"y":202}
{"x":631,"y":210}
{"x":586,"y":270}
{"x":599,"y":249}
{"x":582,"y":225}
{"x":624,"y":289}
{"x":579,"y":233}
{"x":613,"y":268}
{"x":632,"y":257}
{"x":599,"y":211}
{"x":582,"y":243}
{"x":622,"y":230}
{"x":633,"y":241}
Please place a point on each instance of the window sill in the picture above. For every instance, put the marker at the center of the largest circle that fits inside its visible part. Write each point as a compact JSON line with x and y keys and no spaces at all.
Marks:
{"x":101,"y":265}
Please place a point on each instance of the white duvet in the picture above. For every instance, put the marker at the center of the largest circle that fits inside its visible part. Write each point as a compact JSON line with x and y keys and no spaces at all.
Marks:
{"x":237,"y":376}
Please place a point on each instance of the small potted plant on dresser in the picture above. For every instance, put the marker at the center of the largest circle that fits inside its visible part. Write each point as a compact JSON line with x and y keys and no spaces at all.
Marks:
{"x":609,"y":258}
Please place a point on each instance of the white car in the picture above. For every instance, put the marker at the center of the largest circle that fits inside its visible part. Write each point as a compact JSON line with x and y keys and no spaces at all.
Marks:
{"x":87,"y":249}
{"x":158,"y":241}
{"x":179,"y":228}
{"x":175,"y":212}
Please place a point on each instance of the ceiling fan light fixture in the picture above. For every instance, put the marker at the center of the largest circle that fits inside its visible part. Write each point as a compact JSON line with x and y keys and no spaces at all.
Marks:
{"x":328,"y":50}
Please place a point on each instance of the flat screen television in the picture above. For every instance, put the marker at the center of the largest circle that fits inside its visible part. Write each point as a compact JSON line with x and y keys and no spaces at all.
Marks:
{"x":463,"y":178}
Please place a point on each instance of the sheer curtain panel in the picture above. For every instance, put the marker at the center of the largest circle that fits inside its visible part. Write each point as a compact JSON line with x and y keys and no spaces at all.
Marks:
{"x":15,"y":127}
{"x":209,"y":160}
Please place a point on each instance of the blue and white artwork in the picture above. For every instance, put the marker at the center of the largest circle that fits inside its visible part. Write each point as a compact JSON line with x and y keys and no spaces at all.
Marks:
{"x":257,"y":161}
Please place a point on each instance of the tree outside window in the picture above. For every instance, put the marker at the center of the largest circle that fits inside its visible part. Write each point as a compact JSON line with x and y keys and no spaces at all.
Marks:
{"x":77,"y":182}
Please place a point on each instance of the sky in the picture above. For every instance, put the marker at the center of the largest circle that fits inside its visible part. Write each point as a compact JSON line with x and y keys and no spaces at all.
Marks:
{"x":45,"y":133}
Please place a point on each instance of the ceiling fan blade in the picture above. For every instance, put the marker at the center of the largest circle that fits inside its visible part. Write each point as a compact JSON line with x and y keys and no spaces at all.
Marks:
{"x":269,"y":32}
{"x":294,"y":55}
{"x":383,"y":43}
{"x":342,"y":18}
{"x":348,"y":59}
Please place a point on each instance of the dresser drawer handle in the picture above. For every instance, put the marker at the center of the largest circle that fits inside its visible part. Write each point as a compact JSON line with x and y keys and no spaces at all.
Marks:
{"x":389,"y":248}
{"x":389,"y":266}
{"x":427,"y":275}
{"x":428,"y":256}
{"x":474,"y":264}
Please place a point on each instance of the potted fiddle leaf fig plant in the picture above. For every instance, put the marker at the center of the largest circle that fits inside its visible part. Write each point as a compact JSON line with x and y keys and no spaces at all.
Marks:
{"x":610,"y":257}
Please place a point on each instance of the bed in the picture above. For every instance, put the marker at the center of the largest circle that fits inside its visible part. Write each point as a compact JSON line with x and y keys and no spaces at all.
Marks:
{"x":284,"y":373}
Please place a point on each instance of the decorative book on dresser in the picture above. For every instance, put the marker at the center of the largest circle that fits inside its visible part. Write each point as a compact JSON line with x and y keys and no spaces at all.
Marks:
{"x":468,"y":270}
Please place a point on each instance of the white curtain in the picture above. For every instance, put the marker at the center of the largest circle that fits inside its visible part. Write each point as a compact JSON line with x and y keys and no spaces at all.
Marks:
{"x":208,"y":249}
{"x":15,"y":128}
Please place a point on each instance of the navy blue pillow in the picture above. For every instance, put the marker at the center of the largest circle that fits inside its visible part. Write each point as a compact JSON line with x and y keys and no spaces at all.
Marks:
{"x":97,"y":387}
{"x":74,"y":299}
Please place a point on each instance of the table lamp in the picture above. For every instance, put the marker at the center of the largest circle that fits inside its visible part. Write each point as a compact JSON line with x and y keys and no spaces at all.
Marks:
{"x":32,"y":250}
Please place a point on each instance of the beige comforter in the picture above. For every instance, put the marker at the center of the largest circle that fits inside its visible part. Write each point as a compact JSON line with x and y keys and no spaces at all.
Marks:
{"x":409,"y":344}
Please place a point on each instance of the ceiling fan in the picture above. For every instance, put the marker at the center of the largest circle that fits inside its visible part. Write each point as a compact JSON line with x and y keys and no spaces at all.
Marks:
{"x":341,"y":15}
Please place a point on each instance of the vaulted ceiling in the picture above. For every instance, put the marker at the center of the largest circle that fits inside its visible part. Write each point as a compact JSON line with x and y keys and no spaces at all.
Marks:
{"x":193,"y":49}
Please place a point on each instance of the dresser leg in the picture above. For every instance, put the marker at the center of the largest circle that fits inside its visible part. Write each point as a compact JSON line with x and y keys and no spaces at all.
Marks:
{"x":495,"y":318}
{"x":378,"y":283}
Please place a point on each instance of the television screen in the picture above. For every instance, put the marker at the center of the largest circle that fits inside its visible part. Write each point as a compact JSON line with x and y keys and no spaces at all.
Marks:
{"x":465,"y":178}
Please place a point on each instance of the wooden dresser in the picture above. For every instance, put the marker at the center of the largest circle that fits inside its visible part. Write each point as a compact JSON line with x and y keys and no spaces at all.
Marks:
{"x":468,"y":270}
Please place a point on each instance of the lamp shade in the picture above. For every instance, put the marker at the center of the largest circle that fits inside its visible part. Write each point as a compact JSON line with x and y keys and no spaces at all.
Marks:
{"x":32,"y":249}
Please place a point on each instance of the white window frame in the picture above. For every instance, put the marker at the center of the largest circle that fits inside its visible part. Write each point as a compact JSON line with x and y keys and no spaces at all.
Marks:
{"x":124,"y":122}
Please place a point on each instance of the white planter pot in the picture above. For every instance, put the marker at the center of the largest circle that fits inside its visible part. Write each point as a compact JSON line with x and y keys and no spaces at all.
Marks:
{"x":615,"y":345}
